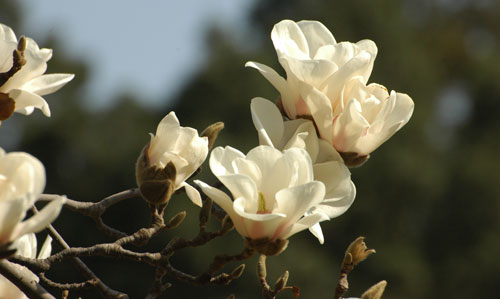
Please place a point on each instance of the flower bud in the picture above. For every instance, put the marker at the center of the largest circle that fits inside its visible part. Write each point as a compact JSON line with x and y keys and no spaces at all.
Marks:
{"x":177,"y":220}
{"x":358,"y":251}
{"x":281,"y":282}
{"x":238,"y":271}
{"x":376,"y":291}
{"x":266,"y":246}
{"x":155,"y":184}
{"x":205,"y":212}
{"x":211,"y":132}
{"x":227,"y":224}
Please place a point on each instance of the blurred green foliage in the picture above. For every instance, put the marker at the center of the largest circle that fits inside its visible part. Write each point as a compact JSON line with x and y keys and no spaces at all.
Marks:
{"x":428,"y":200}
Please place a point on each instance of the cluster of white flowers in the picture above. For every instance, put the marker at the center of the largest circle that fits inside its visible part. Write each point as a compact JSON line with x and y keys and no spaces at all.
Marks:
{"x":297,"y":176}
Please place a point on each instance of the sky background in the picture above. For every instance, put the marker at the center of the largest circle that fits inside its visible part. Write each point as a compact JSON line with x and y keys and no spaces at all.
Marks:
{"x":147,"y":48}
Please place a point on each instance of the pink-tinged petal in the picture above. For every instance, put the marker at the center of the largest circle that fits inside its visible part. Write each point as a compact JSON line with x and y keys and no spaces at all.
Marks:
{"x":316,"y":34}
{"x":289,"y":40}
{"x":225,"y":203}
{"x":221,"y":160}
{"x":11,"y":213}
{"x":193,"y":194}
{"x":47,"y":84}
{"x":26,"y":102}
{"x":46,"y":248}
{"x":268,"y":121}
{"x":39,"y":221}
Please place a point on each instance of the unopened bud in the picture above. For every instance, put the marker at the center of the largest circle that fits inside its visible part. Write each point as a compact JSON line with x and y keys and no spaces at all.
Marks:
{"x":231,"y":296}
{"x":227,"y":224}
{"x":266,"y":246}
{"x":212,"y":132}
{"x":205,"y":212}
{"x":21,"y":44}
{"x":238,"y":271}
{"x":353,"y":160}
{"x":176,"y":220}
{"x":358,"y":251}
{"x":281,"y":282}
{"x":376,"y":291}
{"x":155,"y":184}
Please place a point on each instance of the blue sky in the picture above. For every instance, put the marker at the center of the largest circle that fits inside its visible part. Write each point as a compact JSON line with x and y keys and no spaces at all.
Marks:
{"x":116,"y":35}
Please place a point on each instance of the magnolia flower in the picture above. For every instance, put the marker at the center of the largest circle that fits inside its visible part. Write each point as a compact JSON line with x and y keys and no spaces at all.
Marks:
{"x":181,"y":146}
{"x":272,"y":191}
{"x":22,"y":83}
{"x":22,"y":180}
{"x":311,"y":57}
{"x":26,"y":247}
{"x":328,"y":166}
{"x":326,"y":81}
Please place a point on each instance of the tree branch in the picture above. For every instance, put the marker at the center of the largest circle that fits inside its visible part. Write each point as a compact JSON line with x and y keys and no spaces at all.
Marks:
{"x":31,"y":288}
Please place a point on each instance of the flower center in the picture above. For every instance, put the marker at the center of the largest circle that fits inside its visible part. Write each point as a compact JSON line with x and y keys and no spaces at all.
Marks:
{"x":262,"y":205}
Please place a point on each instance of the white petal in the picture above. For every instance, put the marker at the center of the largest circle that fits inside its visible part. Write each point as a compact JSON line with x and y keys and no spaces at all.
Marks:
{"x":11,"y":213}
{"x":264,"y":157}
{"x":221,"y":160}
{"x":193,"y":194}
{"x":316,"y":34}
{"x":26,"y":102}
{"x":321,"y":110}
{"x":348,"y":128}
{"x":47,"y":84}
{"x":268,"y":121}
{"x":39,"y":221}
{"x":317,"y":232}
{"x":313,"y":72}
{"x":288,"y":39}
{"x":7,"y":34}
{"x":225,"y":203}
{"x":240,"y":185}
{"x":46,"y":248}
{"x":26,"y":246}
{"x":240,"y":208}
{"x":274,"y":78}
{"x":305,"y":223}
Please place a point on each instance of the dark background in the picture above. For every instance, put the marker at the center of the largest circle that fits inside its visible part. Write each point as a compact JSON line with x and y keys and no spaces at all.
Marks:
{"x":428,"y":200}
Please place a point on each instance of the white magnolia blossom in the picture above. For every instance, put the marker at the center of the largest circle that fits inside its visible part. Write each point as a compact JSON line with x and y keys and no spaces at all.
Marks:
{"x":22,"y":180}
{"x":328,"y":166}
{"x":272,"y":190}
{"x":26,"y":247}
{"x":183,"y":147}
{"x":327,"y":80}
{"x":27,"y":86}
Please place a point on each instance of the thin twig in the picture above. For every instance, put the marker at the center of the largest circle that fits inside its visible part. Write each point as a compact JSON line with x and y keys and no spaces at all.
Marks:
{"x":18,"y":277}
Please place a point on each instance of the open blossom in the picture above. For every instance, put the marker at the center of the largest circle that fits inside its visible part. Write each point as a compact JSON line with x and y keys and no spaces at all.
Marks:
{"x":181,"y":146}
{"x":326,"y":81}
{"x":328,"y":166}
{"x":310,"y":55}
{"x":22,"y":180}
{"x":26,"y":247}
{"x":22,"y":79}
{"x":272,"y":191}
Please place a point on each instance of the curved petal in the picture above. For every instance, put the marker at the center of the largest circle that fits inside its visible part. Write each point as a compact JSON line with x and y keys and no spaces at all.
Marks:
{"x":264,"y":157}
{"x":39,"y":221}
{"x":295,"y":201}
{"x":225,"y":203}
{"x":274,"y":78}
{"x":289,"y":40}
{"x":46,"y":248}
{"x":305,"y":223}
{"x":47,"y":84}
{"x":321,"y":110}
{"x":221,"y":160}
{"x":240,"y":185}
{"x":26,"y":102}
{"x":26,"y":246}
{"x":193,"y":194}
{"x":316,"y":34}
{"x":11,"y":213}
{"x":313,"y":72}
{"x":268,"y":121}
